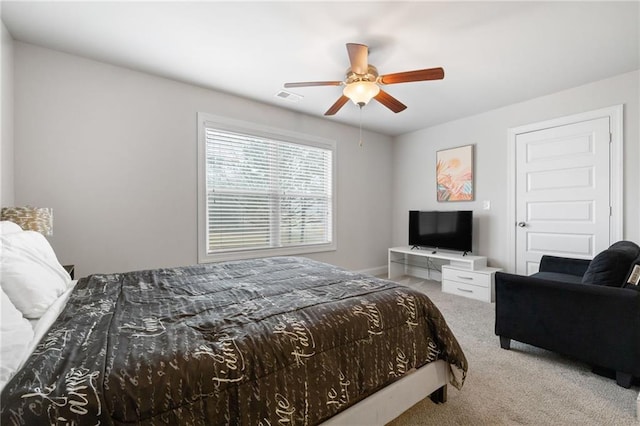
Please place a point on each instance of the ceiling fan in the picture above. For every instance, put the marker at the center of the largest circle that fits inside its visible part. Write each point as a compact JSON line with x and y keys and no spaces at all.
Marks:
{"x":362,"y":82}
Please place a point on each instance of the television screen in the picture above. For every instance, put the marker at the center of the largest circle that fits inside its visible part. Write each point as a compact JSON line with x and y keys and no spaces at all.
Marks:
{"x":449,"y":230}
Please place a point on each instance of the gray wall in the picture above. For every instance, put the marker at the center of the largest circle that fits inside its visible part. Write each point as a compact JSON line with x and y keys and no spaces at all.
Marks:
{"x":6,"y":143}
{"x":414,"y":154}
{"x":113,"y":151}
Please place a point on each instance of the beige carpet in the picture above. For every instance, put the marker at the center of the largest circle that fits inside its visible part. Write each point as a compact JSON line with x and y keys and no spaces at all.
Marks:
{"x":525,"y":385}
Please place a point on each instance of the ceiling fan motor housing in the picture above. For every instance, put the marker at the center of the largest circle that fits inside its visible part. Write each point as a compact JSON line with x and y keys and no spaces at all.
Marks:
{"x":371,"y":75}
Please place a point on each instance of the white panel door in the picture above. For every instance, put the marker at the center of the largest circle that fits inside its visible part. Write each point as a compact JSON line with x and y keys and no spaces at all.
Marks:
{"x":562,"y":192}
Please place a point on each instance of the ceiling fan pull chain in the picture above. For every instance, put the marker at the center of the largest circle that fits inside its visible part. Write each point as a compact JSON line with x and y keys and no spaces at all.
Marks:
{"x":360,"y":125}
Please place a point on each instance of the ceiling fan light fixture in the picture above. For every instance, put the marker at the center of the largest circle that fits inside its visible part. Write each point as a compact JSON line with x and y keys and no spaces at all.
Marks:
{"x":361,"y":92}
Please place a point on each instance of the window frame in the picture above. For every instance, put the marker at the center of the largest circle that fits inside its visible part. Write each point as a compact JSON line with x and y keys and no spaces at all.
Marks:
{"x":254,"y":129}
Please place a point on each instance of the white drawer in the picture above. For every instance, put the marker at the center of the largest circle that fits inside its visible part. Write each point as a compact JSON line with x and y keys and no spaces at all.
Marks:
{"x":467,"y":290}
{"x":474,"y":278}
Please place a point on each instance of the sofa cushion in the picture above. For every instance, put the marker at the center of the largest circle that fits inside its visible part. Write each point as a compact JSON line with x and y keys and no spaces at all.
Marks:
{"x":557,"y":276}
{"x":610,"y":267}
{"x":564,"y":265}
{"x":633,"y":277}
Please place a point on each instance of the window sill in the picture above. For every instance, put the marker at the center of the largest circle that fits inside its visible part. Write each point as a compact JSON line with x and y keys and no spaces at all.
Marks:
{"x":252,"y":254}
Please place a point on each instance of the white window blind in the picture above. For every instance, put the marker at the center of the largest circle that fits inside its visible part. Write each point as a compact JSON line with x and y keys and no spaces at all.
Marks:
{"x":263,"y":193}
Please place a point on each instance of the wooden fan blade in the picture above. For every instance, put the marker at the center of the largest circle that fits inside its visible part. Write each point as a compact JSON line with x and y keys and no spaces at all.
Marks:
{"x":358,"y":54}
{"x":336,"y":107}
{"x":313,"y":83}
{"x":390,"y":102}
{"x":409,"y":76}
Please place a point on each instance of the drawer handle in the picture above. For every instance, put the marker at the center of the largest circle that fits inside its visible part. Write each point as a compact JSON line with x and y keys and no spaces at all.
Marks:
{"x":465,"y":290}
{"x":465,"y":278}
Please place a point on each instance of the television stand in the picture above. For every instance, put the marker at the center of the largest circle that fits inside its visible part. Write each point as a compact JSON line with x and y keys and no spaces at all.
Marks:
{"x":465,"y":275}
{"x":434,"y":250}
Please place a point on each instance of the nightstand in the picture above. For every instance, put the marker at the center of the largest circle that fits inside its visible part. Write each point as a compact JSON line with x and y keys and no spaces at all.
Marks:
{"x":70,"y":269}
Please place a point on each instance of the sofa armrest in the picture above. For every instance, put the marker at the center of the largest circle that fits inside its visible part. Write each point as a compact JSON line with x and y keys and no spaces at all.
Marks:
{"x":597,"y":324}
{"x":564,"y":265}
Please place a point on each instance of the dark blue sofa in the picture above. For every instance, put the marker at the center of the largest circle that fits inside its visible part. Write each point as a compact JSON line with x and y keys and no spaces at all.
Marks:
{"x":580,"y":308}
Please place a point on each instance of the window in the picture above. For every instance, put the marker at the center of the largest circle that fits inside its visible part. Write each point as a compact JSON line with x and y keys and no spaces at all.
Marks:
{"x":263,"y":191}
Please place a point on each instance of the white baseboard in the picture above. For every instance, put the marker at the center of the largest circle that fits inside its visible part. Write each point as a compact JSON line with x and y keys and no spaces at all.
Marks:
{"x":383,"y":271}
{"x":380,"y":270}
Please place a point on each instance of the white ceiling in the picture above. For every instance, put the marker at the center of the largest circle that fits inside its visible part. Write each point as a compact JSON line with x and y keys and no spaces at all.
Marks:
{"x":493,"y":53}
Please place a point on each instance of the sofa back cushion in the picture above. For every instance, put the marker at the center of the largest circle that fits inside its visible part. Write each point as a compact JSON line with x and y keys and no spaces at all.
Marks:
{"x":611,"y":267}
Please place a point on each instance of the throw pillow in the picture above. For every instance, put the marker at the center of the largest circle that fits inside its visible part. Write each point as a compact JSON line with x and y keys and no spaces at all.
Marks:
{"x":610,"y":267}
{"x":633,"y":277}
{"x":15,"y":337}
{"x":8,"y":227}
{"x":30,"y":273}
{"x":628,"y":246}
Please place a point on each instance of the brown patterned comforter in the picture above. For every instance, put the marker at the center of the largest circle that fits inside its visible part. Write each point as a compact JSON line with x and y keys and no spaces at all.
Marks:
{"x":257,"y":342}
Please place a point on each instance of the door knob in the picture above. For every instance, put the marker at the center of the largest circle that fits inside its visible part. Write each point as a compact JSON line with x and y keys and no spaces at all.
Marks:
{"x":522,"y":224}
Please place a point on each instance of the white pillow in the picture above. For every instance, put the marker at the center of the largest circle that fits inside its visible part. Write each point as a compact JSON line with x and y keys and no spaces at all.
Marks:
{"x":8,"y":227}
{"x":15,"y":338}
{"x":30,"y":273}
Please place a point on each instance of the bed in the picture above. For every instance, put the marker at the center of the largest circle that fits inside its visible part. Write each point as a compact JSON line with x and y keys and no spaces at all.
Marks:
{"x":281,"y":340}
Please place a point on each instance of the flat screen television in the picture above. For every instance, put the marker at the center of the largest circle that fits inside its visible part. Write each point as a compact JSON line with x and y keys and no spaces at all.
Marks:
{"x":448,"y":230}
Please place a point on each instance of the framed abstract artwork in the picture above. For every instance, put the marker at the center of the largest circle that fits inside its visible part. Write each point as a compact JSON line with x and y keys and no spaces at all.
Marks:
{"x":454,"y":174}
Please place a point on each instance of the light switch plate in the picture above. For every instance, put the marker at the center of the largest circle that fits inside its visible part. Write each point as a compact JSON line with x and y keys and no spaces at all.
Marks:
{"x":486,"y":205}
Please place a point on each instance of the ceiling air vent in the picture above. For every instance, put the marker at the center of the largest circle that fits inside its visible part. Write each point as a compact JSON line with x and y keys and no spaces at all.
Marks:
{"x":291,"y":97}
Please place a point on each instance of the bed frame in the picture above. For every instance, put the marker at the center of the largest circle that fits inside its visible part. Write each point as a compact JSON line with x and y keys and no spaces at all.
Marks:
{"x":391,"y":401}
